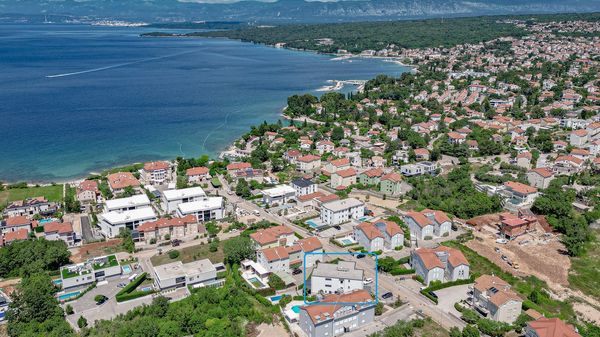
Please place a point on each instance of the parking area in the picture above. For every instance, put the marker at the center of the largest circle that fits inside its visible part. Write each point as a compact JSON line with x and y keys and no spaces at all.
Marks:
{"x":333,"y":231}
{"x":448,"y":296}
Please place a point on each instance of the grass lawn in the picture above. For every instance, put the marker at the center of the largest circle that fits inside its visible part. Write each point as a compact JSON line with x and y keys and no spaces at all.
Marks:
{"x":52,"y":193}
{"x":431,"y":329}
{"x":190,"y":254}
{"x":585,"y":270}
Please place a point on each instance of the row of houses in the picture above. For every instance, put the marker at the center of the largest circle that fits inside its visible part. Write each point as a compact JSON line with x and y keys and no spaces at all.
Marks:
{"x":18,"y":228}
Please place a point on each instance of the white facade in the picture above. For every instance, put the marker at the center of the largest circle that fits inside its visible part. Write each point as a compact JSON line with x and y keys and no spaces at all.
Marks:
{"x":207,"y":209}
{"x":280,"y":194}
{"x":343,"y":277}
{"x":127,"y":204}
{"x":172,"y":198}
{"x":112,"y":223}
{"x":340,"y":211}
{"x":178,"y":274}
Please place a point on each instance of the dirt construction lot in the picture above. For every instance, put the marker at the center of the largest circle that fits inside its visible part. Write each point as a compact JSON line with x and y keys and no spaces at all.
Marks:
{"x":535,"y":254}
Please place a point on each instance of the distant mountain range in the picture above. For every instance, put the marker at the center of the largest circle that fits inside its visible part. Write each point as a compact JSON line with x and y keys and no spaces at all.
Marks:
{"x":280,"y":11}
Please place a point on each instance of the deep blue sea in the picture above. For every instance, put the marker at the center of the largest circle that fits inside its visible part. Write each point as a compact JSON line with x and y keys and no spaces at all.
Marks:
{"x":76,"y":99}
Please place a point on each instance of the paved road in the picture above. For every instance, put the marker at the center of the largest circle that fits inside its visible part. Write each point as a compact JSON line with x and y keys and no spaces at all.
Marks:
{"x":86,"y":229}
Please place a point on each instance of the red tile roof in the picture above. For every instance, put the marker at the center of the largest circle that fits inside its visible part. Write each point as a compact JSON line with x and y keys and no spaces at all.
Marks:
{"x":520,"y":187}
{"x":17,"y":221}
{"x":322,"y":312}
{"x":552,"y":327}
{"x":271,"y":234}
{"x":21,"y":234}
{"x":156,"y":166}
{"x":58,"y":227}
{"x":121,"y":180}
{"x":196,"y":171}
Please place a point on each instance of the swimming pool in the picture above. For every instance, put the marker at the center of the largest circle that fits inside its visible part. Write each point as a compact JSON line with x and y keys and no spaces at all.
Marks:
{"x":347,"y":241}
{"x":147,"y":289}
{"x":67,"y":296}
{"x":126,"y":269}
{"x":275,"y":298}
{"x":45,"y":221}
{"x":57,"y":282}
{"x":296,"y":309}
{"x":364,"y":218}
{"x":312,"y":224}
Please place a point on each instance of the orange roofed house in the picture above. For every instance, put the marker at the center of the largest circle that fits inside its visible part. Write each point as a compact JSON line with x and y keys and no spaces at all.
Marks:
{"x":197,"y":174}
{"x":87,"y":191}
{"x":512,"y":226}
{"x":156,"y":172}
{"x":428,"y":224}
{"x":550,"y":327}
{"x":176,"y":228}
{"x":287,"y":258}
{"x":518,"y":195}
{"x":346,"y":313}
{"x":118,"y":182}
{"x":379,"y":235}
{"x":273,"y":236}
{"x":442,"y":264}
{"x":60,"y":231}
{"x":494,"y":297}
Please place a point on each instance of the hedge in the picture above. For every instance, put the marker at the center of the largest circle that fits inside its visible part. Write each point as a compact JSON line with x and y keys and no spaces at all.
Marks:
{"x":128,"y":293}
{"x":404,"y":260}
{"x":399,"y":271}
{"x":266,"y":291}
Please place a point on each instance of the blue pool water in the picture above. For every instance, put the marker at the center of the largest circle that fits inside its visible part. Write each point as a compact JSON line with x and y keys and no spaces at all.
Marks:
{"x":296,"y":309}
{"x":70,"y":83}
{"x":364,"y":218}
{"x":347,"y":242}
{"x":66,"y":296}
{"x":126,"y":269}
{"x":45,"y":221}
{"x":147,"y":289}
{"x":275,"y":298}
{"x":57,"y":281}
{"x":312,"y":224}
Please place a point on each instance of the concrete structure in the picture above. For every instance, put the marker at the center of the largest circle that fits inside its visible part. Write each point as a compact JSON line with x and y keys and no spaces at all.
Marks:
{"x":95,"y":269}
{"x":493,"y":297}
{"x":340,"y":211}
{"x":127,"y":204}
{"x":379,"y":235}
{"x":207,"y":209}
{"x":279,"y":194}
{"x":172,"y":198}
{"x":304,"y":186}
{"x":323,"y":320}
{"x":88,"y":191}
{"x":178,"y":274}
{"x":428,"y":224}
{"x":440,"y":264}
{"x":175,"y":228}
{"x":197,"y":174}
{"x":340,"y":278}
{"x":112,"y":223}
{"x":424,"y":167}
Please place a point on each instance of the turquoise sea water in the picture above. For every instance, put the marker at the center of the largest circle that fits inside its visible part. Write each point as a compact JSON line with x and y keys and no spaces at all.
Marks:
{"x":77,"y":99}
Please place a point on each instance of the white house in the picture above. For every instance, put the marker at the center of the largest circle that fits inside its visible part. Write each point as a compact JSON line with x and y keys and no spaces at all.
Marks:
{"x":540,"y":177}
{"x":197,"y":174}
{"x":172,"y":198}
{"x":111,"y":223}
{"x":94,"y":269}
{"x":127,"y":204}
{"x":178,"y":274}
{"x":63,"y":231}
{"x":308,"y":163}
{"x":206,"y":209}
{"x":303,"y":186}
{"x":279,"y":194}
{"x":340,"y":278}
{"x":428,"y":224}
{"x":340,"y":211}
{"x":440,"y":264}
{"x":286,"y":258}
{"x":494,"y":296}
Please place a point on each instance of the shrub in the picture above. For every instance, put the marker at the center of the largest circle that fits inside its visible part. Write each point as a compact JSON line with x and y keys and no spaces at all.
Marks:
{"x":127,"y":293}
{"x":428,"y":237}
{"x":69,"y":310}
{"x":167,"y":237}
{"x":152,"y":241}
{"x":379,"y":309}
{"x":266,"y":291}
{"x":82,"y":322}
{"x":214,"y":246}
{"x":173,"y":254}
{"x":276,"y":282}
{"x":99,"y":298}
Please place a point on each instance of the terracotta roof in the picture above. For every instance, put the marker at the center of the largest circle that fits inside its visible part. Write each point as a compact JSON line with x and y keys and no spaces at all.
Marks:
{"x":370,"y":231}
{"x":543,"y":172}
{"x":582,"y":152}
{"x":421,"y":152}
{"x":58,"y":227}
{"x":89,"y":185}
{"x":322,"y":312}
{"x":21,"y":234}
{"x":392,"y":176}
{"x":420,"y":219}
{"x":293,"y":153}
{"x":340,"y":162}
{"x":552,"y":327}
{"x":196,"y":171}
{"x":439,"y":216}
{"x":121,"y":180}
{"x":456,"y":135}
{"x":346,"y":173}
{"x":271,"y":234}
{"x":431,"y":259}
{"x":570,"y":158}
{"x":275,"y":253}
{"x":520,"y":188}
{"x":310,"y":244}
{"x":17,"y":221}
{"x":499,"y":289}
{"x":580,"y":133}
{"x":308,"y":158}
{"x":328,"y":198}
{"x":238,"y":166}
{"x":310,"y":196}
{"x":164,"y":222}
{"x":375,"y":172}
{"x":391,"y":227}
{"x":156,"y":166}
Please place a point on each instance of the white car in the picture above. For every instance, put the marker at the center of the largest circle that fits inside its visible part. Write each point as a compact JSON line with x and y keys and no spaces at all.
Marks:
{"x":502,"y":241}
{"x":368,"y":280}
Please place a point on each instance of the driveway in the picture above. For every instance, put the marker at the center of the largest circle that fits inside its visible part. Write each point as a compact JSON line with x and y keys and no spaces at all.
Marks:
{"x":448,"y":296}
{"x":86,"y":229}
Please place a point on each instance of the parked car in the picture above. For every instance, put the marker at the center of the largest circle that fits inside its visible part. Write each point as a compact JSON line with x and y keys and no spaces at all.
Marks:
{"x":338,"y":227}
{"x":502,"y":241}
{"x":434,"y":295}
{"x":360,"y":256}
{"x":368,"y":280}
{"x":121,"y":285}
{"x":387,"y":295}
{"x":297,"y":271}
{"x":175,"y":242}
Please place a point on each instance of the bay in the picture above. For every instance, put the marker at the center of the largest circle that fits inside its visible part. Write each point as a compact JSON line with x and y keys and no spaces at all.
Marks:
{"x":76,"y":99}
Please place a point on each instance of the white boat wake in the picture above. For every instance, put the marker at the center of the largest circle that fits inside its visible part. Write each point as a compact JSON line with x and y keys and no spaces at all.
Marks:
{"x":118,"y":65}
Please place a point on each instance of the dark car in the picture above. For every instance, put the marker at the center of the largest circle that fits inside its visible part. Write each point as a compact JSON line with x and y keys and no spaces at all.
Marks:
{"x":387,"y":295}
{"x":297,"y":271}
{"x":175,"y":242}
{"x":433,"y":294}
{"x":360,"y":256}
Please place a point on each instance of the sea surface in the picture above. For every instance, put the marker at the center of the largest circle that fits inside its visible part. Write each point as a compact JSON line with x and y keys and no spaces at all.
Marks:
{"x":76,"y":99}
